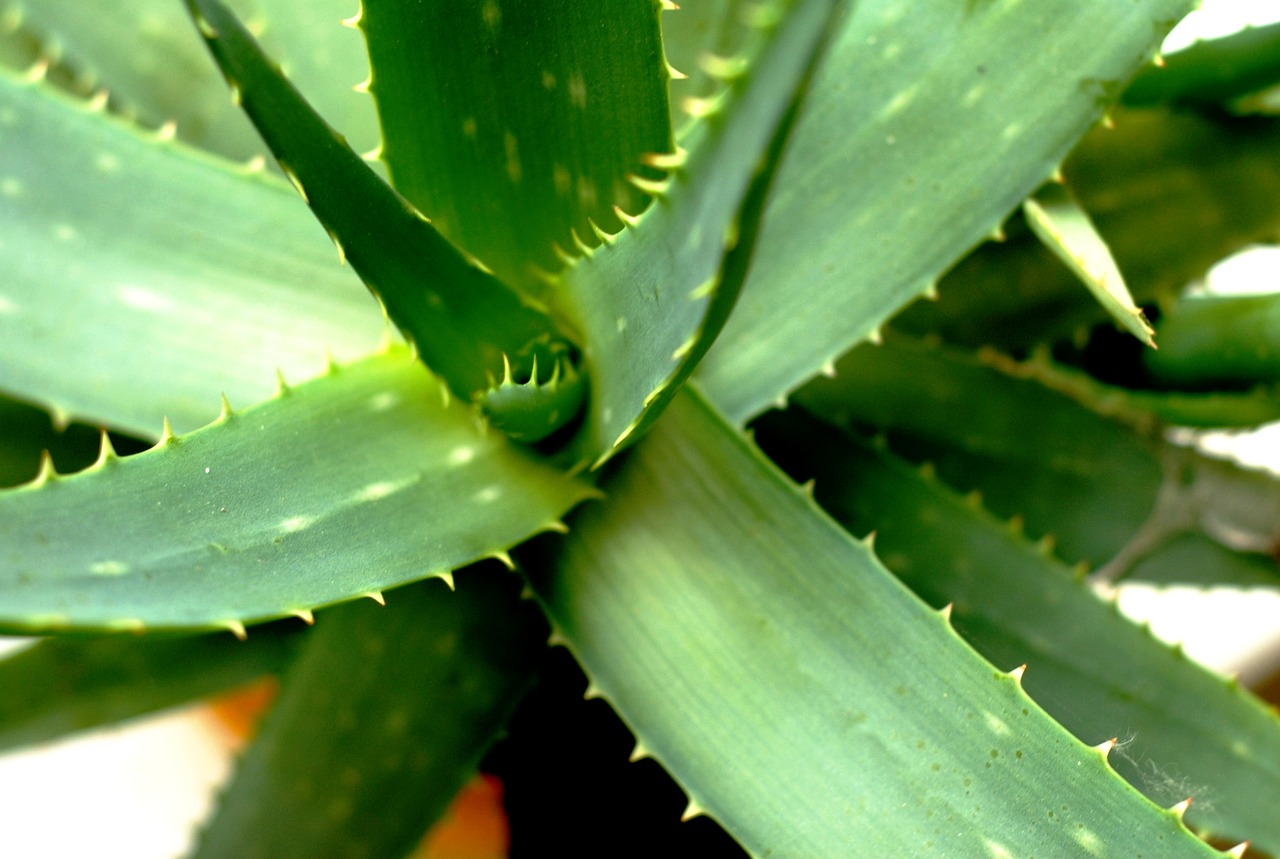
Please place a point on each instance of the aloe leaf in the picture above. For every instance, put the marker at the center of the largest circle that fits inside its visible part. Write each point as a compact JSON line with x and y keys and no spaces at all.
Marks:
{"x":165,"y":76}
{"x":1219,"y":340}
{"x":1212,"y":72}
{"x":465,"y":323}
{"x":539,"y":110}
{"x":1043,"y":457}
{"x":1064,"y":227}
{"x":112,"y":239}
{"x":1171,"y":191}
{"x":1097,"y":673}
{"x":847,"y":717}
{"x":650,"y":301}
{"x":380,"y":721}
{"x":348,"y":484}
{"x":874,"y":210}
{"x":62,"y":685}
{"x":1143,"y":408}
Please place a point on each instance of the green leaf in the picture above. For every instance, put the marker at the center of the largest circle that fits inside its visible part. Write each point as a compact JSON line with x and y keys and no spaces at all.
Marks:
{"x":134,"y":279}
{"x":871,"y":210}
{"x":1097,"y":673}
{"x":539,"y":111}
{"x":1212,"y":72}
{"x":1226,"y":341}
{"x":1140,"y":407}
{"x":1031,"y":452}
{"x":650,"y":300}
{"x":1171,"y":191}
{"x":465,"y":323}
{"x":797,"y":691}
{"x":1064,"y":227}
{"x":165,"y":75}
{"x":380,"y":721}
{"x":61,"y":685}
{"x":1036,"y":454}
{"x":351,"y":483}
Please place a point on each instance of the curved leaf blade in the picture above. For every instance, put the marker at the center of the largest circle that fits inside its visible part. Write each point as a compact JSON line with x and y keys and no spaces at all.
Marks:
{"x":872,"y":210}
{"x":540,"y":111}
{"x":351,"y":483}
{"x":134,"y":281}
{"x":380,"y":721}
{"x":1096,"y":672}
{"x":650,"y":301}
{"x":62,"y":685}
{"x":166,"y":76}
{"x":797,"y":690}
{"x":463,"y":320}
{"x":1064,"y":227}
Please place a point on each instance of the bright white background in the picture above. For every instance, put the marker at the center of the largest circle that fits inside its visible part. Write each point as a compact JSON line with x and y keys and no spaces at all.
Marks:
{"x":137,"y":792}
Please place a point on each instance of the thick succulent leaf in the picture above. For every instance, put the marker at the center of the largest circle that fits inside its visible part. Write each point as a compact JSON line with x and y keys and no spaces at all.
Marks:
{"x":165,"y":75}
{"x":1172,"y":192}
{"x":134,"y":279}
{"x":351,"y":483}
{"x":380,"y":721}
{"x":1212,"y":72}
{"x":1096,"y":672}
{"x":61,"y":685}
{"x":800,"y":694}
{"x":650,"y":301}
{"x":463,"y":321}
{"x":1140,"y":407}
{"x":1219,"y":340}
{"x":1042,"y":456}
{"x":513,"y":125}
{"x":871,"y":210}
{"x":1064,"y":227}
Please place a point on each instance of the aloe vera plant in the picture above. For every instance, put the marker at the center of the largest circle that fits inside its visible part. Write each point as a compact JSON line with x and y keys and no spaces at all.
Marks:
{"x":588,"y":246}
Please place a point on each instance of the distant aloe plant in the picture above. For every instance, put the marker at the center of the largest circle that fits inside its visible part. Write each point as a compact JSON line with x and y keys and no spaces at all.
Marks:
{"x":607,"y":237}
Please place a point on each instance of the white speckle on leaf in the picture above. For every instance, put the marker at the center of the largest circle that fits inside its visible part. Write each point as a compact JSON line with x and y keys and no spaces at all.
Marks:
{"x":900,"y":101}
{"x":206,"y":469}
{"x":141,"y":298}
{"x":492,"y":15}
{"x":1011,"y":130}
{"x":586,"y":192}
{"x":996,"y":724}
{"x":562,"y":179}
{"x":381,"y":489}
{"x":7,"y":307}
{"x":577,"y":90}
{"x":973,"y":94}
{"x":489,"y":494}
{"x":384,"y":401}
{"x":621,"y":324}
{"x":998,"y":850}
{"x":12,"y":187}
{"x":109,"y":568}
{"x":107,"y":162}
{"x":1087,"y":839}
{"x":65,"y":232}
{"x":512,"y":148}
{"x":294,"y":524}
{"x":461,"y":455}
